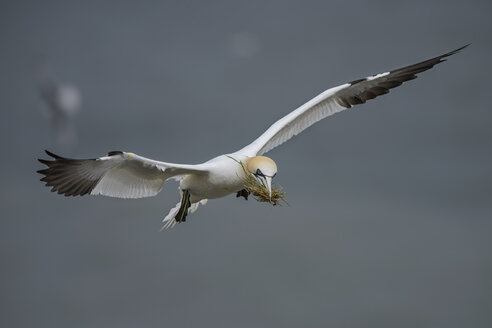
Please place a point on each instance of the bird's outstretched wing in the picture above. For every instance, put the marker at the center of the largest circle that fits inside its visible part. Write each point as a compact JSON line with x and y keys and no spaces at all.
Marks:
{"x":120,"y":174}
{"x":335,"y":100}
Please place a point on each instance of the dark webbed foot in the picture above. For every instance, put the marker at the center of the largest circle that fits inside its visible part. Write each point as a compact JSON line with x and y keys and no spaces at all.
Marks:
{"x":243,"y":193}
{"x":183,"y":209}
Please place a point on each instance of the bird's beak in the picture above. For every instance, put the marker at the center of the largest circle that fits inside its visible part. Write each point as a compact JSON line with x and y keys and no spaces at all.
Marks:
{"x":268,"y":181}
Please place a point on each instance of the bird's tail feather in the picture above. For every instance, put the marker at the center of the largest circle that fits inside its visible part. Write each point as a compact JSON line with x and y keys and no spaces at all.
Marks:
{"x":169,"y":221}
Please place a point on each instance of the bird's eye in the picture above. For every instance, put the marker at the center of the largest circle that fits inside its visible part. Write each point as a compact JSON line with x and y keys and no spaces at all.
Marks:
{"x":258,"y":172}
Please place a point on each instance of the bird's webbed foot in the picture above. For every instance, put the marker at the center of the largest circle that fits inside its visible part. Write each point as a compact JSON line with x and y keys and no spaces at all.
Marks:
{"x":243,"y":193}
{"x":183,"y":209}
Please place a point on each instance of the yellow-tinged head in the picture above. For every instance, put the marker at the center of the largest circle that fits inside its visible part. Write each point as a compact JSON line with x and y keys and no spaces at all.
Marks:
{"x":263,"y":169}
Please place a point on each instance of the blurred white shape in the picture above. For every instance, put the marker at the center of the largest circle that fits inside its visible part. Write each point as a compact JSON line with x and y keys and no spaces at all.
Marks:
{"x":68,"y":99}
{"x":244,"y":44}
{"x":62,"y":102}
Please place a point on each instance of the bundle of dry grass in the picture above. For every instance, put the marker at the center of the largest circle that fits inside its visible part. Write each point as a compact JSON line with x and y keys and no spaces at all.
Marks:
{"x":259,"y":191}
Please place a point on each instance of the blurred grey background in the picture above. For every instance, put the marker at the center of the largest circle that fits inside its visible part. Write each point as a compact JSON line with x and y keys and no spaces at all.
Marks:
{"x":391,"y":202}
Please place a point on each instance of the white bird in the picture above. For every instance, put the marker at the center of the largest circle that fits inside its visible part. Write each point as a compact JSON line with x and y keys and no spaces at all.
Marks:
{"x":127,"y":175}
{"x":63,"y":101}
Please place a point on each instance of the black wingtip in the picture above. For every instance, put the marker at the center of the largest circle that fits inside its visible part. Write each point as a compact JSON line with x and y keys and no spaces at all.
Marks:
{"x":115,"y":152}
{"x":456,"y":51}
{"x":45,"y":162}
{"x":52,"y":155}
{"x":63,"y":177}
{"x":442,"y":58}
{"x":44,"y":171}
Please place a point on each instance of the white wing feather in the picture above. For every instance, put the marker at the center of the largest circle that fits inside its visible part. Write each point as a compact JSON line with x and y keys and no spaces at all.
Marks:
{"x":294,"y":123}
{"x":335,"y":100}
{"x":123,"y":175}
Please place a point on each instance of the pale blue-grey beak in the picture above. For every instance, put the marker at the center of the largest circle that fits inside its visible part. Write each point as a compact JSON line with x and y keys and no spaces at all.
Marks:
{"x":269,"y":186}
{"x":267,"y":182}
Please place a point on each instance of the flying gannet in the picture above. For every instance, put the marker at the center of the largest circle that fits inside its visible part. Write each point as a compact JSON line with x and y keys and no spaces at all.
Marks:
{"x":127,"y":175}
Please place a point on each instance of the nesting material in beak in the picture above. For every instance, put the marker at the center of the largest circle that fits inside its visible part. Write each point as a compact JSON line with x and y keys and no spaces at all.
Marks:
{"x":263,"y":191}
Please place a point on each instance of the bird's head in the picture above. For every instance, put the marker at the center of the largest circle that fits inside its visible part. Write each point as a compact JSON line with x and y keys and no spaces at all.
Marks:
{"x":263,"y":169}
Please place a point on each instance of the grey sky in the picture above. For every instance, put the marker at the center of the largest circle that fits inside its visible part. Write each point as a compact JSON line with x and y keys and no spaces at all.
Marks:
{"x":391,"y":202}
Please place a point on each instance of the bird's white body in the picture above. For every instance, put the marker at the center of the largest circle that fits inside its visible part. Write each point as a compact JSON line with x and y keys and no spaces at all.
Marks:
{"x":225,"y":176}
{"x":127,"y":175}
